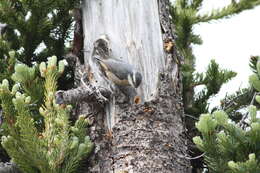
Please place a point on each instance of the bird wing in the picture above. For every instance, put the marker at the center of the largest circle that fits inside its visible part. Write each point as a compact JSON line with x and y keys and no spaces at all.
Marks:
{"x":117,"y":67}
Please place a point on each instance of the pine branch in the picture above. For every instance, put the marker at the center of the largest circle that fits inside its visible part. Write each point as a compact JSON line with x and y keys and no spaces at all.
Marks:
{"x":213,"y":79}
{"x":223,"y":141}
{"x":253,"y":63}
{"x":196,"y":4}
{"x":47,"y":22}
{"x":225,"y":12}
{"x":228,"y":145}
{"x":57,"y":146}
{"x":216,"y":77}
{"x":240,"y":99}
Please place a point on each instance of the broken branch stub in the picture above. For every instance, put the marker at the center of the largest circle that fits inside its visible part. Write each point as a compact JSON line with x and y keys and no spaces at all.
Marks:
{"x":86,"y":90}
{"x":86,"y":93}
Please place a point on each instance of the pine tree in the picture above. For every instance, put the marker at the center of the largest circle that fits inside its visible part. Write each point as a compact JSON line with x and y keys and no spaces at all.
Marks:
{"x":48,"y":145}
{"x":229,"y":146}
{"x":35,"y":30}
{"x":30,"y":31}
{"x":185,"y":15}
{"x":234,"y":103}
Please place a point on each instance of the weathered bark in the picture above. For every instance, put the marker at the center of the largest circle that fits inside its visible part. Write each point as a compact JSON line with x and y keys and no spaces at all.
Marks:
{"x":8,"y":167}
{"x":145,"y":137}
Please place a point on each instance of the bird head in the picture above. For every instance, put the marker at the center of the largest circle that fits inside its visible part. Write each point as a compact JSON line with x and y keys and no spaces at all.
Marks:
{"x":135,"y":79}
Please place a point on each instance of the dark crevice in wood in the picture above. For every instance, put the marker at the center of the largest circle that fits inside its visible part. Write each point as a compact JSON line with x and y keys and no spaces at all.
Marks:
{"x":78,"y":40}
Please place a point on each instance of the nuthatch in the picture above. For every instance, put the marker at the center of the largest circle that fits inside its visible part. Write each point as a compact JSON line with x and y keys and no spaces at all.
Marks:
{"x":119,"y":72}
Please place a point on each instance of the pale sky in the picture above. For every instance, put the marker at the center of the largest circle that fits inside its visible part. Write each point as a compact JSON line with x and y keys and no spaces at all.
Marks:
{"x":230,"y":42}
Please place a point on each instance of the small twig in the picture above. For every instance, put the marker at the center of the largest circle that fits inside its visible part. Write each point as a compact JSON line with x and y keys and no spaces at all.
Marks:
{"x":228,"y":103}
{"x":252,"y":101}
{"x":190,"y":158}
{"x":190,"y":116}
{"x":242,"y":121}
{"x":232,"y":102}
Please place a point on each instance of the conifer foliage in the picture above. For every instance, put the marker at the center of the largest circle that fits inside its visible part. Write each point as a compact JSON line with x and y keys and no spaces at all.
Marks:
{"x":185,"y":15}
{"x":48,"y":146}
{"x":231,"y":147}
{"x":34,"y":30}
{"x":30,"y":23}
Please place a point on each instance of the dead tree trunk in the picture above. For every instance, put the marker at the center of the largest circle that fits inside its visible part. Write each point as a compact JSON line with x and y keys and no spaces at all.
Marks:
{"x":129,"y":137}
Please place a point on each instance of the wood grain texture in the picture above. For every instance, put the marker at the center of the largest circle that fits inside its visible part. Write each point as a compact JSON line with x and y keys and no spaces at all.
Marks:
{"x":133,"y":29}
{"x":147,"y":137}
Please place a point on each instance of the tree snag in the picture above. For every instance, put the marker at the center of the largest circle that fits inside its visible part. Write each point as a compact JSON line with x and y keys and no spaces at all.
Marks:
{"x":129,"y":137}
